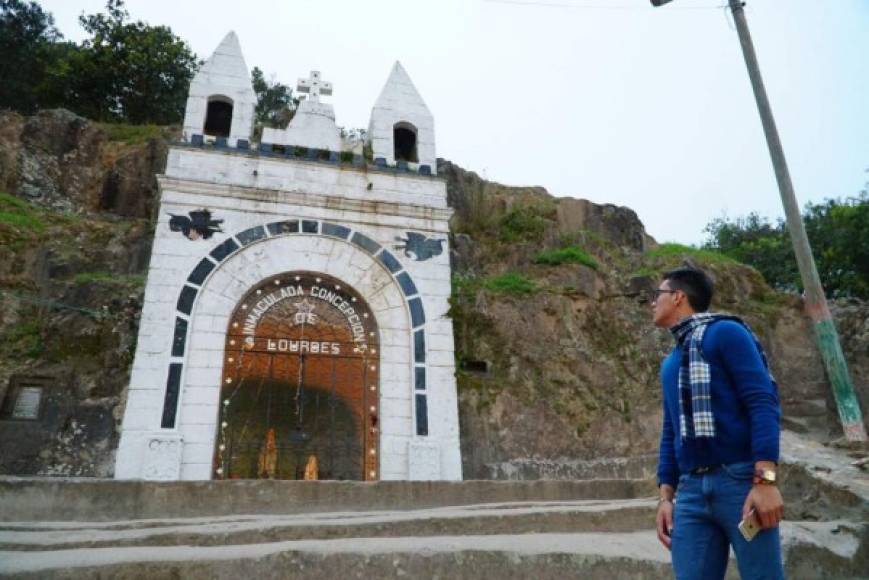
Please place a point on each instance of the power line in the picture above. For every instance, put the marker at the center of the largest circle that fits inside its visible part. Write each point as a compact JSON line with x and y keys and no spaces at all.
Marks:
{"x":597,"y":6}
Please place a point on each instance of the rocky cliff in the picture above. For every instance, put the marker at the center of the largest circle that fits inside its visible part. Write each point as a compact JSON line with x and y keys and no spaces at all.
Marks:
{"x":557,"y":358}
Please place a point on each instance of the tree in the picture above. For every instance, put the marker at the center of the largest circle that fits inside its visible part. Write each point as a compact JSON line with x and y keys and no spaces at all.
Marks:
{"x":27,"y":36}
{"x":275,"y":104}
{"x":129,"y":71}
{"x":755,"y":241}
{"x":838,"y":230}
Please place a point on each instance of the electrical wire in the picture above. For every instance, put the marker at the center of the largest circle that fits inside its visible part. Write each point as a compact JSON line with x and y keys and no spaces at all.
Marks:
{"x":597,"y":6}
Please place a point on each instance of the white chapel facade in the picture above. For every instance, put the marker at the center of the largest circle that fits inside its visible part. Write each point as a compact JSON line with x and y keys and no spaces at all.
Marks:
{"x":295,"y":319}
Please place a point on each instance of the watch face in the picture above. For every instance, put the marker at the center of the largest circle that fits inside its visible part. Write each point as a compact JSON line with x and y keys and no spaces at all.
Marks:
{"x":766,"y":475}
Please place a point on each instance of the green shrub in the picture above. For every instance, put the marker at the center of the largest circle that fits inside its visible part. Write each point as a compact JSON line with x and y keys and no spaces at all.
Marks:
{"x":522,"y":224}
{"x":26,"y":339}
{"x":131,"y":134}
{"x":510,"y":283}
{"x":19,"y":213}
{"x":673,"y":250}
{"x":568,"y":255}
{"x":109,"y":278}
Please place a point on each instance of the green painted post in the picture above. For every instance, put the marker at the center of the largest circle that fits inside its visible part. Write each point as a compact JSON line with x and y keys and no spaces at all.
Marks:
{"x":815,"y":301}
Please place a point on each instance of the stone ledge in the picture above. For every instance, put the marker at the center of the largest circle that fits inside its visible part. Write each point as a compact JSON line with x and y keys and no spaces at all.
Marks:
{"x":41,"y":499}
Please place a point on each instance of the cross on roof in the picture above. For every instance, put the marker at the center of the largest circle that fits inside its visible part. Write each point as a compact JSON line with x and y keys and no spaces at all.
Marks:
{"x":314,"y":86}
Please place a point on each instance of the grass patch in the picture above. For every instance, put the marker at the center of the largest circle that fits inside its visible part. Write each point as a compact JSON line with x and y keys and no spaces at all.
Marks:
{"x":523,"y":224}
{"x":19,"y":213}
{"x":108,"y":277}
{"x":26,"y":339}
{"x":131,"y":134}
{"x":646,"y":271}
{"x":463,"y":285}
{"x":672,"y":250}
{"x":510,"y":283}
{"x":568,"y":255}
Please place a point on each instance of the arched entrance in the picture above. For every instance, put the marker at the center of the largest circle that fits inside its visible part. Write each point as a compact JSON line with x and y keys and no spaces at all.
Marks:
{"x":299,"y":390}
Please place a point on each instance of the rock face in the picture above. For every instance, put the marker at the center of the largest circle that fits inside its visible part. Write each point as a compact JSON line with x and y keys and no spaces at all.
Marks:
{"x":71,"y":279}
{"x":59,"y":160}
{"x":558,"y":360}
{"x":557,"y":381}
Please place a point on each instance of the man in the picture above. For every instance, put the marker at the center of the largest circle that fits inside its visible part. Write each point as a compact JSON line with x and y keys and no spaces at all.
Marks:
{"x":719,"y":439}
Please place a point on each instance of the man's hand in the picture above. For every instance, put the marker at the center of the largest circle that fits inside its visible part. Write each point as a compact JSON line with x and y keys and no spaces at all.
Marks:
{"x":767,"y":503}
{"x":664,"y":517}
{"x":664,"y":523}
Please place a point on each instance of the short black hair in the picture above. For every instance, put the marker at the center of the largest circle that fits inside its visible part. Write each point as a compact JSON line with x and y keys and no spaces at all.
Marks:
{"x":695,"y":283}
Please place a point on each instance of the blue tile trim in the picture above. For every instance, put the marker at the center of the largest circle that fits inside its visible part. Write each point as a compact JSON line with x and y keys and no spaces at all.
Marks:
{"x":245,"y":147}
{"x":406,"y":283}
{"x":287,"y":227}
{"x":251,"y":235}
{"x":417,"y":314}
{"x":224,"y":249}
{"x":335,"y":230}
{"x":170,"y":402}
{"x":421,"y":415}
{"x":220,"y":143}
{"x":365,"y":243}
{"x":188,"y":295}
{"x":389,"y":261}
{"x":186,"y":298}
{"x":201,"y":271}
{"x":179,"y":342}
{"x":419,"y":346}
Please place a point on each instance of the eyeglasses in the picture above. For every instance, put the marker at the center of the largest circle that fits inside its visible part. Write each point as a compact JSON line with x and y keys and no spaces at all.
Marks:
{"x":653,"y":296}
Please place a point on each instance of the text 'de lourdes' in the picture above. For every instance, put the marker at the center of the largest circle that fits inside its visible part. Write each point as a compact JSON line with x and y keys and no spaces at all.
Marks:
{"x":302,"y":346}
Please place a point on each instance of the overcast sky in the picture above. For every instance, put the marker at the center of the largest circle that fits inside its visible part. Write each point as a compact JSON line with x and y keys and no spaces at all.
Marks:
{"x":608,"y":100}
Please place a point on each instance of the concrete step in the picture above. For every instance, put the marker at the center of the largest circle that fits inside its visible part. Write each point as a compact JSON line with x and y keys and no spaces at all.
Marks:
{"x":515,"y":518}
{"x":812,"y":550}
{"x":512,"y":529}
{"x":35,"y":499}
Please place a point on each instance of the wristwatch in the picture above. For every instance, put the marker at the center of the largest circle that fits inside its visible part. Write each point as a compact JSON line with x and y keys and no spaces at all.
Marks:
{"x":764,"y":477}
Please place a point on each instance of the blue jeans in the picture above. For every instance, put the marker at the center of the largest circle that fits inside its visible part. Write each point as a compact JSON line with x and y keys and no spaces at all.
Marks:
{"x":708,"y":511}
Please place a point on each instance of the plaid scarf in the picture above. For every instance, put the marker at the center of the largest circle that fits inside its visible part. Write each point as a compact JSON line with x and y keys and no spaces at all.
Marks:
{"x":696,"y":418}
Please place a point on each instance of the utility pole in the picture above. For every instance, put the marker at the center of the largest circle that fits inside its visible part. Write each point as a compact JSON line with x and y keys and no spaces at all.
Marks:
{"x":816,"y":303}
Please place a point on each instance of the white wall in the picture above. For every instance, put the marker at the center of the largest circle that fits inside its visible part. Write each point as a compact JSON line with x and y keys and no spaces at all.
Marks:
{"x":283,"y":189}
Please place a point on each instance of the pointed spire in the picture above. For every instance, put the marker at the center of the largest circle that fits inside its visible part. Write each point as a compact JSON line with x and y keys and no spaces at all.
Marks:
{"x":223,"y":76}
{"x":399,"y":90}
{"x":226,"y":64}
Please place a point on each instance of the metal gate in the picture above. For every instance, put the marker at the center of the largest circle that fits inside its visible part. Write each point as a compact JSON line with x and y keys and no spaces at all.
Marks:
{"x":299,"y":391}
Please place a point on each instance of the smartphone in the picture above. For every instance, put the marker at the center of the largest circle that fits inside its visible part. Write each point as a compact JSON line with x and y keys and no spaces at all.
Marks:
{"x":749,"y":527}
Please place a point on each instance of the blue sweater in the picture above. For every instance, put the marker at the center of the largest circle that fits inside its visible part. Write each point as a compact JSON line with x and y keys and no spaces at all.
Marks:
{"x":744,"y":401}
